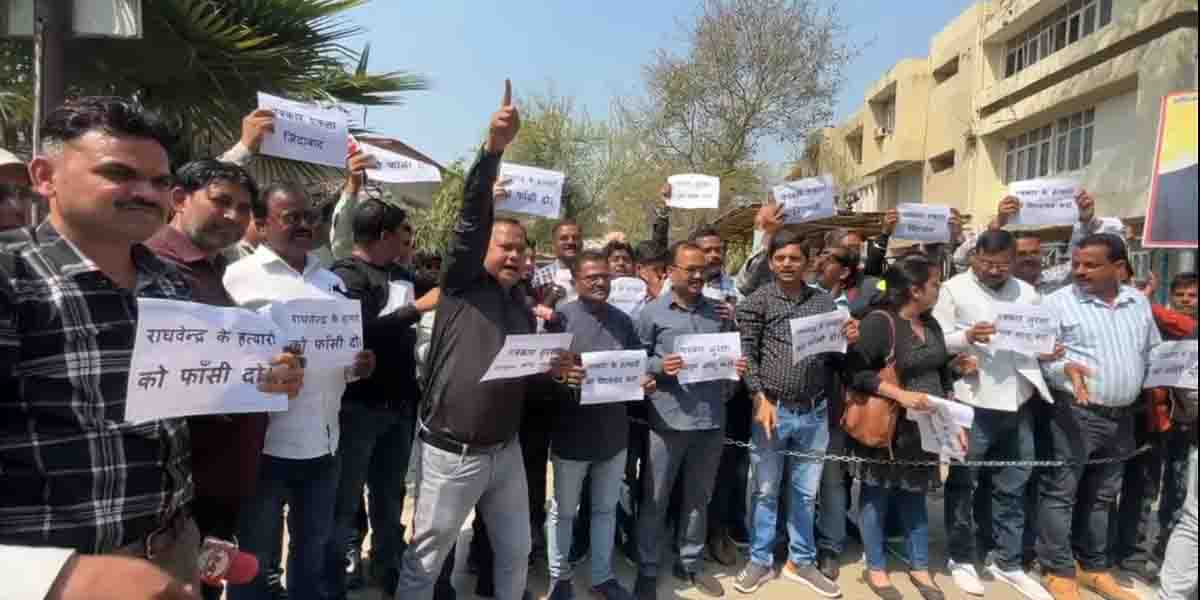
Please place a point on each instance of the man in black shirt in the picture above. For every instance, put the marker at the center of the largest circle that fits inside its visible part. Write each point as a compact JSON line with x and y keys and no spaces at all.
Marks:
{"x":468,"y":428}
{"x":589,"y":440}
{"x":378,"y":416}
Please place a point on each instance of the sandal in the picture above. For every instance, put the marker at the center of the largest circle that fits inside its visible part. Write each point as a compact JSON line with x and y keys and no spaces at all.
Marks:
{"x":927,"y":592}
{"x":887,"y":592}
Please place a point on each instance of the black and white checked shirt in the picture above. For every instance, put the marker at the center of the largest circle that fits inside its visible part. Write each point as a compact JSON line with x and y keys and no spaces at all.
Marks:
{"x":764,"y":322}
{"x":73,"y":474}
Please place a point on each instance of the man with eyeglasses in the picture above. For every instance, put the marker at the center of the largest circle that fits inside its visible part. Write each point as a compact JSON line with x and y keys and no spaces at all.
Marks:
{"x":1003,"y":391}
{"x":300,"y":462}
{"x":687,"y":424}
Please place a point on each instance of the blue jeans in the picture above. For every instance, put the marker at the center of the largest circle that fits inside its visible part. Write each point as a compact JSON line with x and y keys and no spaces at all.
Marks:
{"x":998,"y":435}
{"x":375,"y":448}
{"x":310,"y":490}
{"x":798,"y":432}
{"x":564,"y":508}
{"x":1076,"y":500}
{"x":914,"y":520}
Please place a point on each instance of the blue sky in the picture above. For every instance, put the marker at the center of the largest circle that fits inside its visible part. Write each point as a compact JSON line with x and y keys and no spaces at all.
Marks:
{"x":592,"y":50}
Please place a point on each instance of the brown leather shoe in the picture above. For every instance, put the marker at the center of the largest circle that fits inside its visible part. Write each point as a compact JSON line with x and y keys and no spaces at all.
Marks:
{"x":1103,"y":583}
{"x":1062,"y":588}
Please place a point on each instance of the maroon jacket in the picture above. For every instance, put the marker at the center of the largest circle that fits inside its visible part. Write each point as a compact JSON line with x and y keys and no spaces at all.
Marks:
{"x":226,"y":450}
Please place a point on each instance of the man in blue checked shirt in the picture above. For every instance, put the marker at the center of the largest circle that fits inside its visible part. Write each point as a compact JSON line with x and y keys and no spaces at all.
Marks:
{"x":1108,"y":331}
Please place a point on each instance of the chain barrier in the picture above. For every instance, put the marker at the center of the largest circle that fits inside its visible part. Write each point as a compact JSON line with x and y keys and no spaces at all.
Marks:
{"x":842,"y":458}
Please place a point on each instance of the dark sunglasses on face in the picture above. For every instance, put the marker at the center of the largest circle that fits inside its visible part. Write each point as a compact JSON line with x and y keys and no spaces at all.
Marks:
{"x":292,"y":219}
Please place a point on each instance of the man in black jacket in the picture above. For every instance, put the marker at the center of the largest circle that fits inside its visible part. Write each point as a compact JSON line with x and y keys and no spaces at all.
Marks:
{"x":468,"y":428}
{"x":378,"y":416}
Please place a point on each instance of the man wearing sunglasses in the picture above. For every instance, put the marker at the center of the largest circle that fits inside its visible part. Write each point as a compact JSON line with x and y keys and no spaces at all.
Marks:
{"x":687,"y":424}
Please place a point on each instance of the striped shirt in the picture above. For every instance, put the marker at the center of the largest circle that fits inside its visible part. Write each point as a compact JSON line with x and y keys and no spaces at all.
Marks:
{"x":1114,"y":341}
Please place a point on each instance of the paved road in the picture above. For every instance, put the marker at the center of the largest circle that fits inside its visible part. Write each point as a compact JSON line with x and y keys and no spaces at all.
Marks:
{"x":851,"y":578}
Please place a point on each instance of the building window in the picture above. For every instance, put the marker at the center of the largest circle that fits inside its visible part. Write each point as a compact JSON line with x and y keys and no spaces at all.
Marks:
{"x":942,"y":162}
{"x":1072,"y":22}
{"x":946,"y":71}
{"x":1063,"y":146}
{"x":887,"y":115}
{"x":854,"y":142}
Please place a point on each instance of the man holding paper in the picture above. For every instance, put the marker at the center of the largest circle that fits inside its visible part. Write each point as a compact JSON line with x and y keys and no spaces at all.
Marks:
{"x":588,"y":436}
{"x":378,"y":417}
{"x":67,"y":330}
{"x":1108,"y":331}
{"x":470,"y":457}
{"x":213,"y":203}
{"x":1003,"y":390}
{"x":792,"y":400}
{"x":687,"y":424}
{"x":300,"y":463}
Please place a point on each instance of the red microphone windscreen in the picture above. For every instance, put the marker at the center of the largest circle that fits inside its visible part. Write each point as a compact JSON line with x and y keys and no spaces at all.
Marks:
{"x":243,"y":567}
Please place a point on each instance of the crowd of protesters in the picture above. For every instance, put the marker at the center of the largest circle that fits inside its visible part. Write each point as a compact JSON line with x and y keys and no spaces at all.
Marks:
{"x":94,"y":507}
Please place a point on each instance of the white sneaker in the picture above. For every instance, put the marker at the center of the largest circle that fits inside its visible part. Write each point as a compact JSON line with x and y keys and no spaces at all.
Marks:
{"x":1019,"y":579}
{"x":966,"y":578}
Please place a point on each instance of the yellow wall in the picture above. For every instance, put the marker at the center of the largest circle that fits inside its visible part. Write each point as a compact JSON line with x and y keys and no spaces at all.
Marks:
{"x":1122,"y":71}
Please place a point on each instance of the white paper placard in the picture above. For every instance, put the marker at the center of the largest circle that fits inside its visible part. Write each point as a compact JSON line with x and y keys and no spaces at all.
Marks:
{"x":532,"y":191}
{"x":708,"y":356}
{"x":400,"y":294}
{"x":1025,"y":329}
{"x":939,"y":427}
{"x":807,"y":199}
{"x":818,"y":334}
{"x":692,"y":190}
{"x":614,"y":376}
{"x":305,"y":132}
{"x":195,"y":359}
{"x":923,"y":223}
{"x":328,"y":331}
{"x":1173,"y":364}
{"x":1046,"y":201}
{"x":397,"y":168}
{"x":527,"y":354}
{"x":628,"y":294}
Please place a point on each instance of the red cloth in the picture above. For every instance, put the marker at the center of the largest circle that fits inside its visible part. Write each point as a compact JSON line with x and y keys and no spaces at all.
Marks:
{"x":1173,"y":325}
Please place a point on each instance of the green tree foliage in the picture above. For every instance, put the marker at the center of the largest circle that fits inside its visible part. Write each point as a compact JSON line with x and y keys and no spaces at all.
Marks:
{"x":201,"y":62}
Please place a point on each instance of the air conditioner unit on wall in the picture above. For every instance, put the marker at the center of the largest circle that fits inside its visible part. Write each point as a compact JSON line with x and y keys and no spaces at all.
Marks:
{"x":882,"y":132}
{"x":90,"y":18}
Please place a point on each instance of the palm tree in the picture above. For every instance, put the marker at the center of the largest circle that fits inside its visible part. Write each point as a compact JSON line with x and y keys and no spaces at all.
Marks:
{"x":201,"y":62}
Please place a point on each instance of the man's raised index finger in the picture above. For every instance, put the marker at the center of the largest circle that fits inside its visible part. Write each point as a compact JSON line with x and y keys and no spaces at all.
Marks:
{"x":507,"y":101}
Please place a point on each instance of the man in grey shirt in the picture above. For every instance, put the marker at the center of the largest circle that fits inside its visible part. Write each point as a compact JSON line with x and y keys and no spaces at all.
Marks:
{"x":687,"y":424}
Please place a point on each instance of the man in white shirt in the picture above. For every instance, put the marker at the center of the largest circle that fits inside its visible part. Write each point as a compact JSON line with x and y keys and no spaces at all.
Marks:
{"x":1056,"y":277}
{"x":1002,"y":391}
{"x":300,"y":463}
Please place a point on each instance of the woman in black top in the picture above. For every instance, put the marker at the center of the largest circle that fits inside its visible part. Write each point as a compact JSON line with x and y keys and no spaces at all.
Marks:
{"x":901,"y":317}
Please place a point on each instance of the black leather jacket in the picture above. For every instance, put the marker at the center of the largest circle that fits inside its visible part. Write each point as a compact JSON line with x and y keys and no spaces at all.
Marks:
{"x":474,"y":316}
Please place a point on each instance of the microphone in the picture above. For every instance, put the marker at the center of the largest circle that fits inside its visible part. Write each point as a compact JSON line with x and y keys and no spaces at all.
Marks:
{"x":221,"y":562}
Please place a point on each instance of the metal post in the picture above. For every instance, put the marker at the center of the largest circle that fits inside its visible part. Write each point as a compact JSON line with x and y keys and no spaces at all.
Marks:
{"x":49,"y":84}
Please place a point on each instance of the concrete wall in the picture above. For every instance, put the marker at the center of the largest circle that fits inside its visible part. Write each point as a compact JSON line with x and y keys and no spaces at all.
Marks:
{"x":1123,"y":70}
